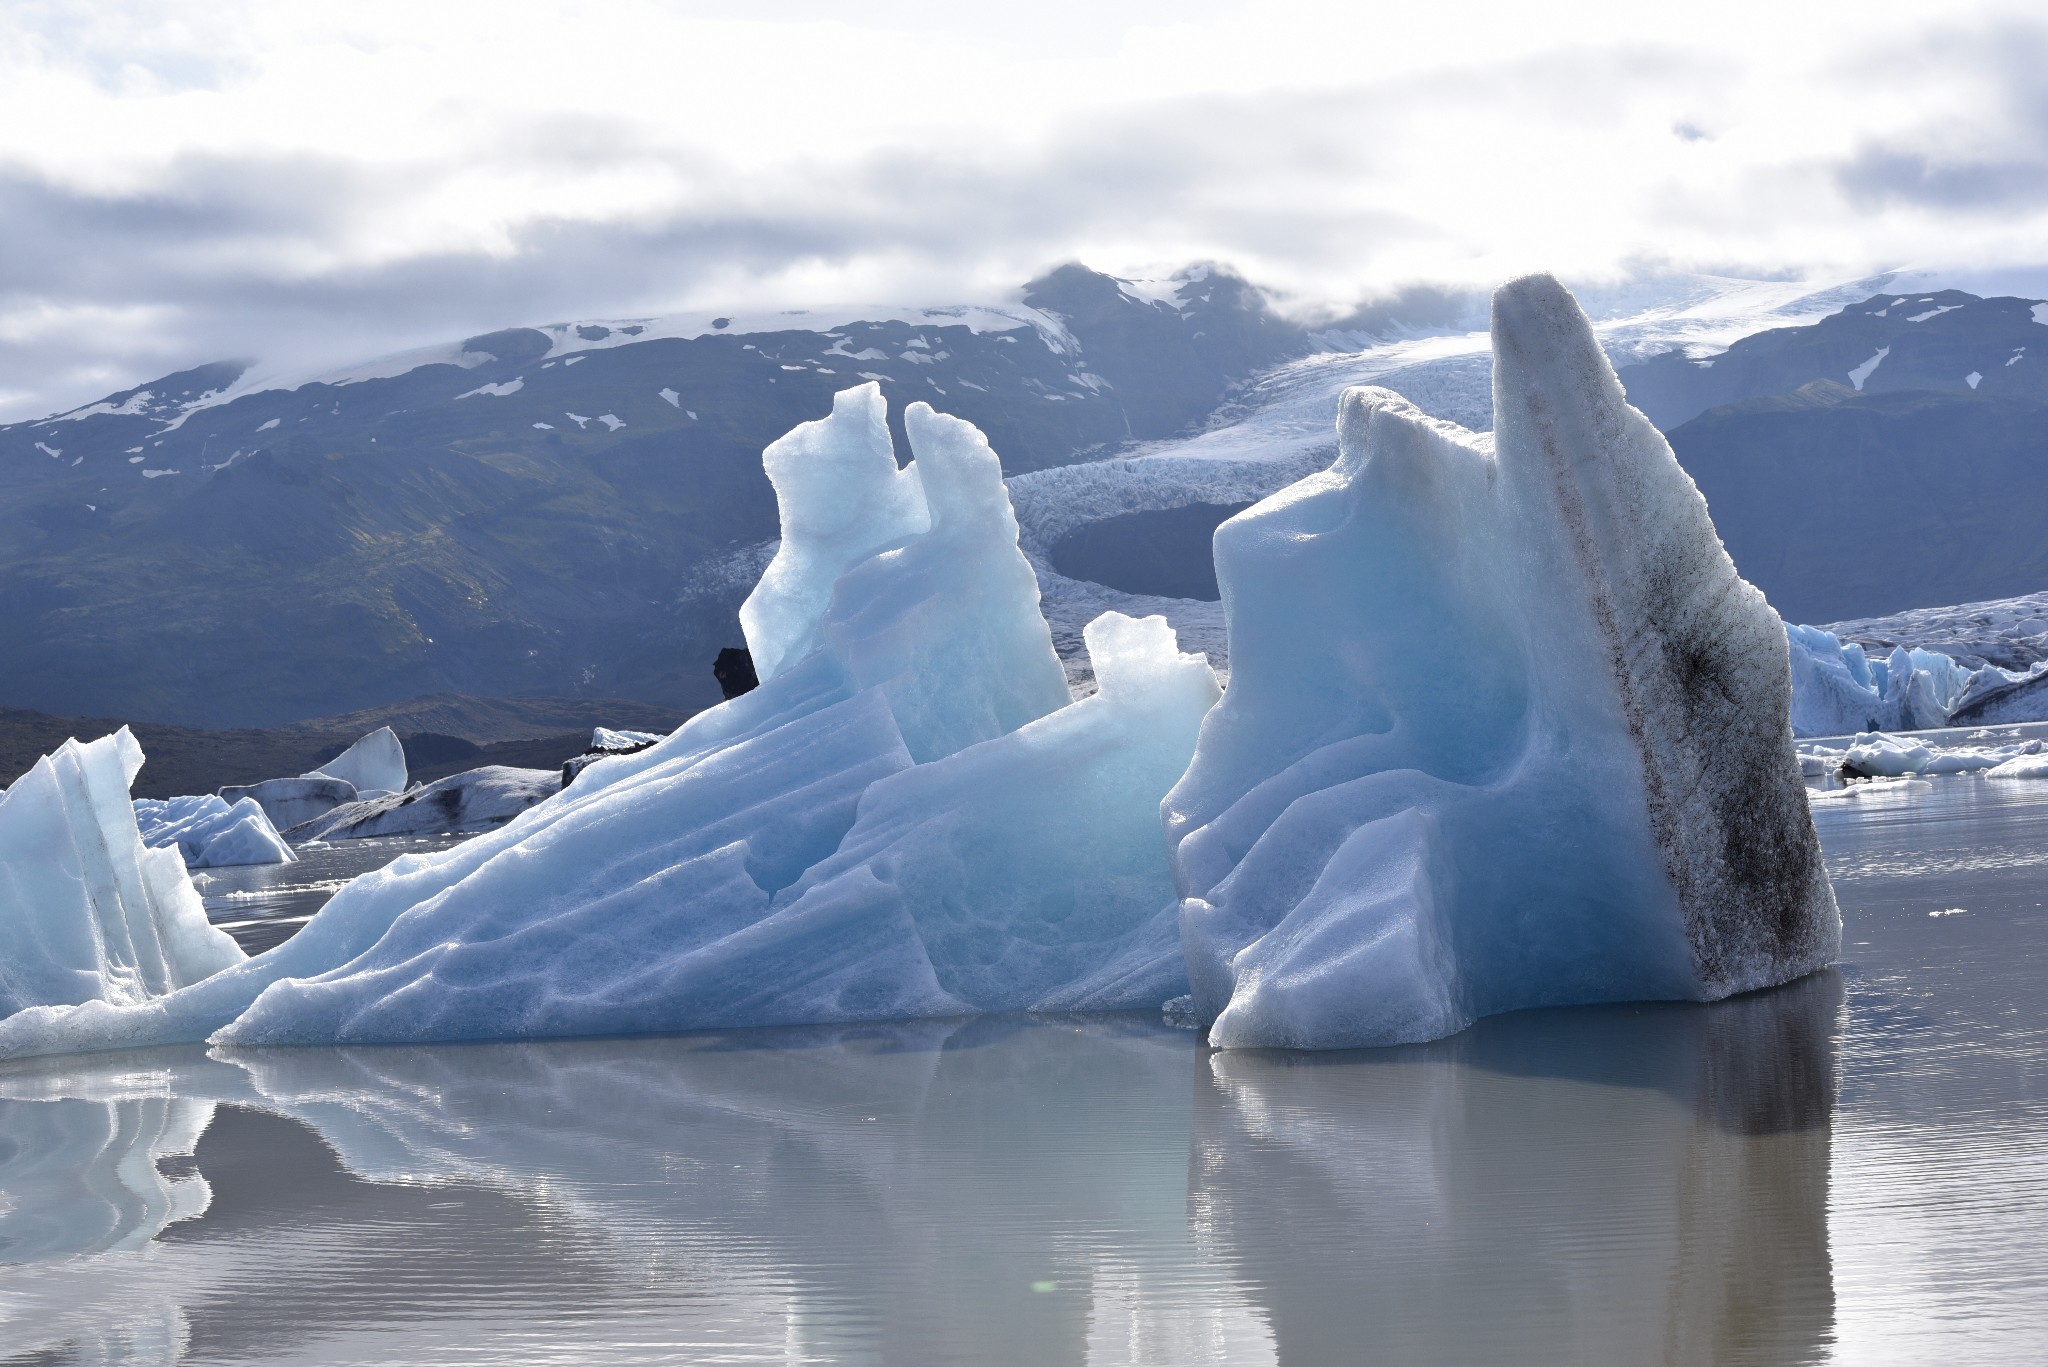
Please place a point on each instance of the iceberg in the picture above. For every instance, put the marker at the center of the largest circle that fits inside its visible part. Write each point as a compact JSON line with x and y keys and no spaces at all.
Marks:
{"x":91,"y":918}
{"x":474,"y":800}
{"x":1504,"y":728}
{"x":373,"y":766}
{"x":209,"y":833}
{"x":914,"y":819}
{"x":290,"y":802}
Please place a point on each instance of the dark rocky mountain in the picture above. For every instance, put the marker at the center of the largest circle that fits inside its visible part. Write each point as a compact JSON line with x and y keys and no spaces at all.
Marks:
{"x":1947,"y":342}
{"x":530,"y":511}
{"x":1893,"y":455}
{"x":1840,"y":505}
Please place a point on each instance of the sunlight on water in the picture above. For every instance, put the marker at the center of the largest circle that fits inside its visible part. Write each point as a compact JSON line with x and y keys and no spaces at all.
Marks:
{"x":1853,"y":1169}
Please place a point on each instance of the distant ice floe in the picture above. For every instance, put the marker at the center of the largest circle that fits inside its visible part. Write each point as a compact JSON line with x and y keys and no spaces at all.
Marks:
{"x":474,"y":800}
{"x":211,"y":833}
{"x":1878,"y":756}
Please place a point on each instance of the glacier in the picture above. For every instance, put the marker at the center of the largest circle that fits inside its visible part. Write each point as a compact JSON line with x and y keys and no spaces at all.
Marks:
{"x":211,"y":833}
{"x":90,"y":917}
{"x":1504,"y":728}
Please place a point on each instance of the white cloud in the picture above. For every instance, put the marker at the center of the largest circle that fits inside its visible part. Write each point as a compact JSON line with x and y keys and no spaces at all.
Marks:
{"x":319,"y":180}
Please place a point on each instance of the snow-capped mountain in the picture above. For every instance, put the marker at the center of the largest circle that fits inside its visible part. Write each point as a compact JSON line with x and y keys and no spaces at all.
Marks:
{"x":579,"y":508}
{"x":530,"y":510}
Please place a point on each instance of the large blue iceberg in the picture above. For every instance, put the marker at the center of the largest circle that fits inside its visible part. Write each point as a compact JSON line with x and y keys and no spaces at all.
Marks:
{"x":1505,"y":730}
{"x":911,"y":819}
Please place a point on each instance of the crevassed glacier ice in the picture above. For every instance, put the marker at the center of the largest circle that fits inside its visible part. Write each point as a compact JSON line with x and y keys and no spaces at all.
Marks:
{"x":88,"y":914}
{"x":209,"y":833}
{"x":1837,"y":690}
{"x":1504,"y":728}
{"x":373,"y":766}
{"x":844,"y":842}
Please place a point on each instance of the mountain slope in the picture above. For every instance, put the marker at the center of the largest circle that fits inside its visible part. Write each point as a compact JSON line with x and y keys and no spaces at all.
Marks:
{"x":526,"y":511}
{"x":1946,"y":342}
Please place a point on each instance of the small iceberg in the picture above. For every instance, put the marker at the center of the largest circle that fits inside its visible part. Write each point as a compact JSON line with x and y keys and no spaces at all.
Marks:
{"x":91,"y":919}
{"x":210,"y":832}
{"x":1504,"y":728}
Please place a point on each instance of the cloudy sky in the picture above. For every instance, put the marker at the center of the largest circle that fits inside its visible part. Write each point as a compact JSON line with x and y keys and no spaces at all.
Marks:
{"x":321,"y":182}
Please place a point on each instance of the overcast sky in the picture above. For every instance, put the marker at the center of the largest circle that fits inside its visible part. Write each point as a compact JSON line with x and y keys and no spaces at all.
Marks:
{"x":322,"y":182}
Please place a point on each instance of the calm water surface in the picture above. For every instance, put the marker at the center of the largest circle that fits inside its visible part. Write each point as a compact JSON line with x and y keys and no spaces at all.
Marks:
{"x":1853,"y":1169}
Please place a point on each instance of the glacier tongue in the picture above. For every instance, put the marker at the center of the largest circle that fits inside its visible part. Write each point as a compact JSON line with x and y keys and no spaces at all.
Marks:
{"x":1603,"y":803}
{"x":87,"y":913}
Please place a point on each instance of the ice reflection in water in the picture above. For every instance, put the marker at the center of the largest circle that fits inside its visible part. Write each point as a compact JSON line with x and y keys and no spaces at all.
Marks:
{"x":1621,"y":1185}
{"x":1098,"y":1191}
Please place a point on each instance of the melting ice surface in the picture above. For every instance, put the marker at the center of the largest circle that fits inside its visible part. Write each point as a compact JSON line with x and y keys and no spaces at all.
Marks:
{"x":1852,"y":1170}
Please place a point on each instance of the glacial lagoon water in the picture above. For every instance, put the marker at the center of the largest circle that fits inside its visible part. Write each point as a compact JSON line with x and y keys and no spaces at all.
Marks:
{"x":1850,"y":1170}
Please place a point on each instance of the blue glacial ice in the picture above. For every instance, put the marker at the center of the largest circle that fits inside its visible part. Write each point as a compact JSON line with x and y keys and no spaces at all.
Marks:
{"x":911,"y":820}
{"x":1504,"y":728}
{"x":210,"y":832}
{"x":90,"y":917}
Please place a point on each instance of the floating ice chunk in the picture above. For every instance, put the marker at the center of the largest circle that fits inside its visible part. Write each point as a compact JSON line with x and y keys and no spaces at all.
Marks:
{"x":1606,"y":806}
{"x":842,"y":498}
{"x":209,"y":833}
{"x":1875,"y":788}
{"x":2022,"y":766}
{"x":474,"y":800}
{"x":290,"y":802}
{"x":374,"y":765}
{"x":88,"y":913}
{"x":604,"y":738}
{"x":654,"y":892}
